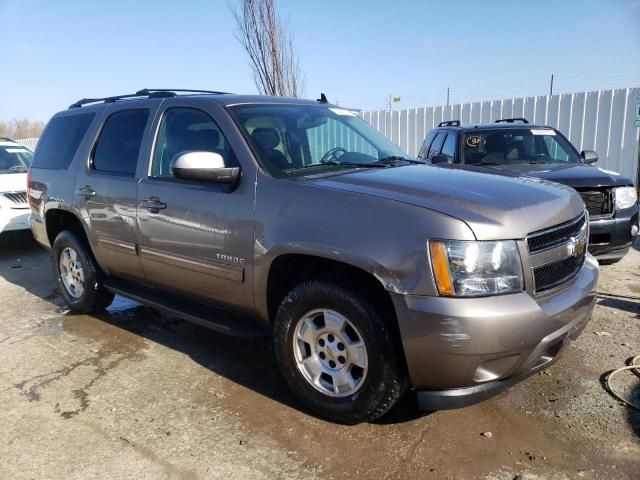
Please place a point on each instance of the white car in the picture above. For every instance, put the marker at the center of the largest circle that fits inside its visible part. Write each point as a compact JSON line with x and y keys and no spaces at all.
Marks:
{"x":15,"y":160}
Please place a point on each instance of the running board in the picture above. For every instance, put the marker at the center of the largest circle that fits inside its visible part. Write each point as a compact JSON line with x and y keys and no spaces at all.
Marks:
{"x":205,"y":316}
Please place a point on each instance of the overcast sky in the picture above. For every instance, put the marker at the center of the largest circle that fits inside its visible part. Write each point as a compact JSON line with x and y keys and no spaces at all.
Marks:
{"x":357,"y":52}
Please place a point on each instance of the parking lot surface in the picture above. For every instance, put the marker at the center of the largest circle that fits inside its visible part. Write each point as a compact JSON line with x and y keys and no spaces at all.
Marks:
{"x":133,"y":393}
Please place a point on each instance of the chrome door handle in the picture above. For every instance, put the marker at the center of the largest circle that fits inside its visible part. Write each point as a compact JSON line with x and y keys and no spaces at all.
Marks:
{"x":86,"y":191}
{"x":153,"y":204}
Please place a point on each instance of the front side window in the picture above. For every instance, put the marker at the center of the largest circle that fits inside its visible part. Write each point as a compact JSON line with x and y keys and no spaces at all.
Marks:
{"x":118,"y":145}
{"x":187,"y":129}
{"x":424,"y":151}
{"x":293,"y":140}
{"x":449,"y":147}
{"x":14,"y":159}
{"x":436,"y":146}
{"x":517,"y":146}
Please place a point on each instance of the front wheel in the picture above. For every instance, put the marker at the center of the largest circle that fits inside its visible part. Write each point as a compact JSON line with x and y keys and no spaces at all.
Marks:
{"x":77,"y":276}
{"x":337,"y":354}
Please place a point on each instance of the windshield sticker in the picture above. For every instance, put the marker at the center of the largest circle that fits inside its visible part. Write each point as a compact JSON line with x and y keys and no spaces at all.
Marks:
{"x":474,"y":142}
{"x":540,"y":131}
{"x":17,"y":150}
{"x":342,"y":111}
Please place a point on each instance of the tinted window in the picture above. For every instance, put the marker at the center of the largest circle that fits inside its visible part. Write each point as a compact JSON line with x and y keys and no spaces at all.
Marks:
{"x":449,"y":147}
{"x":60,"y":140}
{"x":425,"y":145}
{"x":187,"y":129}
{"x":437,"y":144}
{"x":119,"y":143}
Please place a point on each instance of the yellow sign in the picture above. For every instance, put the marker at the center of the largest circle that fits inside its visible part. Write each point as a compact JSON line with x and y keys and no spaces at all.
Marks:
{"x":396,"y":99}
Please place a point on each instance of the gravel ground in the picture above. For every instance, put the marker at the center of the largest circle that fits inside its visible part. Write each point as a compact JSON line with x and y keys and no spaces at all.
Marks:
{"x":132,"y":393}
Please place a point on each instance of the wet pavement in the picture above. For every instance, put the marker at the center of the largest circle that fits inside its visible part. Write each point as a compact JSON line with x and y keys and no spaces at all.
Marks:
{"x":132,"y":393}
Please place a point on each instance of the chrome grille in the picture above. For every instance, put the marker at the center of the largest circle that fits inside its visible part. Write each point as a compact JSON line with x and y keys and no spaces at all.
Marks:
{"x":19,"y":198}
{"x":558,"y":253}
{"x":598,"y":202}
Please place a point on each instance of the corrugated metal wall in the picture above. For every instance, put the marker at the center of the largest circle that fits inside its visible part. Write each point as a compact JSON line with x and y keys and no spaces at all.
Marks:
{"x":602,"y":121}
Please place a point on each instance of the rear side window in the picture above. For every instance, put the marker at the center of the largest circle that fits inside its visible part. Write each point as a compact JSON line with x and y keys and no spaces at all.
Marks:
{"x":118,"y":146}
{"x":60,"y":140}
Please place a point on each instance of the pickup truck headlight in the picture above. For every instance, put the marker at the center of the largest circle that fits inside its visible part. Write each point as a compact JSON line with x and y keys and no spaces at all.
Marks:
{"x":473,"y":269}
{"x":625,"y":197}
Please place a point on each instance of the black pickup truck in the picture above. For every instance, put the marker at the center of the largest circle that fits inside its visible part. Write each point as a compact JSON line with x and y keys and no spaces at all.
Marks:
{"x":512,"y":146}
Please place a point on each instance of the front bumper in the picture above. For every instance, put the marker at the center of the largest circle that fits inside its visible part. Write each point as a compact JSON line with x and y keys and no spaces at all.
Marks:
{"x":610,"y":237}
{"x":12,"y":219}
{"x":460,"y":351}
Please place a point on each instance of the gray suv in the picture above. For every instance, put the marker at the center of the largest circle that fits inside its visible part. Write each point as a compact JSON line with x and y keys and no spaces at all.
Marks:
{"x":374,"y":273}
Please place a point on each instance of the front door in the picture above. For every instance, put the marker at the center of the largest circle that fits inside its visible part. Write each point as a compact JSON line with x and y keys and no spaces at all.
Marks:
{"x":196,"y":238}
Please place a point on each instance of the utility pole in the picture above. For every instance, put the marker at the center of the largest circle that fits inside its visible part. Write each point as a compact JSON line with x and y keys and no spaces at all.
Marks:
{"x":551,"y":86}
{"x":447,"y":96}
{"x":390,"y":100}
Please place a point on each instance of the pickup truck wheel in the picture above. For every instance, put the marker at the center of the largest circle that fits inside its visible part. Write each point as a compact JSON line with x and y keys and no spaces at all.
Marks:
{"x":337,"y":354}
{"x":77,"y":276}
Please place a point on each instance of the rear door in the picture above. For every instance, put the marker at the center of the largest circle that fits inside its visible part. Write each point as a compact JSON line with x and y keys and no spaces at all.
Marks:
{"x":106,"y":189}
{"x":196,"y":238}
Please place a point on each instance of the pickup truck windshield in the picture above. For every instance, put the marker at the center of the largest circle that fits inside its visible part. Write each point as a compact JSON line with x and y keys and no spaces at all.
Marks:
{"x":294,"y":140}
{"x":517,"y":146}
{"x":14,"y":159}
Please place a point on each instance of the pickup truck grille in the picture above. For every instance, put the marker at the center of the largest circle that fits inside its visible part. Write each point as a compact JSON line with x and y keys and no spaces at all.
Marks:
{"x":598,"y":202}
{"x":558,"y":253}
{"x":19,"y":198}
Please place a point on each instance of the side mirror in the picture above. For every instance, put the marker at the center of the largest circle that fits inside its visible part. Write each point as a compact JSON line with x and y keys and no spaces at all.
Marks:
{"x":589,"y":156}
{"x":441,"y":159}
{"x":204,"y":167}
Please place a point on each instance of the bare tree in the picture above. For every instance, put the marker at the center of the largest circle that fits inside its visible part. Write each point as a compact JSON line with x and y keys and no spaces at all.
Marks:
{"x":264,"y":36}
{"x":20,"y":128}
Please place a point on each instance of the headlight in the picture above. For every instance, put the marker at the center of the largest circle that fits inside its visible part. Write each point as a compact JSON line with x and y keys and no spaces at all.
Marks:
{"x":625,"y":197}
{"x":472,"y":269}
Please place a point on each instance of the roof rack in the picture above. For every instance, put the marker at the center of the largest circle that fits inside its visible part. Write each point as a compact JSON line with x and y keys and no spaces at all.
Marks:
{"x":450,"y":123}
{"x":145,"y":92}
{"x":512,"y":120}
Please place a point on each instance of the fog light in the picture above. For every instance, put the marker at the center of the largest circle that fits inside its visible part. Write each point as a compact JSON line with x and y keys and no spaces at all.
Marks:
{"x":634,"y":230}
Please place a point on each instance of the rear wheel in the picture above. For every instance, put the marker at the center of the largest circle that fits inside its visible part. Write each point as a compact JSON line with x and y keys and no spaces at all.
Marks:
{"x":337,"y":354}
{"x":79,"y":281}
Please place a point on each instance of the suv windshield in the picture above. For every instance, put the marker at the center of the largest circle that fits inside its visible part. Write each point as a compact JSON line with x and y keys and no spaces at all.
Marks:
{"x":292,"y":140}
{"x":520,"y":146}
{"x":14,"y":159}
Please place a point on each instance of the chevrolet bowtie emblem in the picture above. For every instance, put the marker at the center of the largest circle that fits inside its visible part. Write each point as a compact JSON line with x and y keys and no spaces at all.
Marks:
{"x":575,"y":247}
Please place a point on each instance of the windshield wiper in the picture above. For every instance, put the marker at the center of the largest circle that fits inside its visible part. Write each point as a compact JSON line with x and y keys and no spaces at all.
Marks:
{"x":393,"y":159}
{"x":339,"y":164}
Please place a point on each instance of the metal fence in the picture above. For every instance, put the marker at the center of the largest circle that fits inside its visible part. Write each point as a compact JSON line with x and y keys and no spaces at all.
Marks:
{"x":602,"y":121}
{"x":29,"y":142}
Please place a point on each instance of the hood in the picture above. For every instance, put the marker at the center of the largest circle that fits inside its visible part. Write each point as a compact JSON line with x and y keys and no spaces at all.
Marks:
{"x":494,"y":206}
{"x":574,"y":174}
{"x":13,"y":182}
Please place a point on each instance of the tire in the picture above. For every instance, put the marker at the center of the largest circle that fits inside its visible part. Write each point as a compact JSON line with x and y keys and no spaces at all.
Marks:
{"x":369,"y":392}
{"x":84,"y":292}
